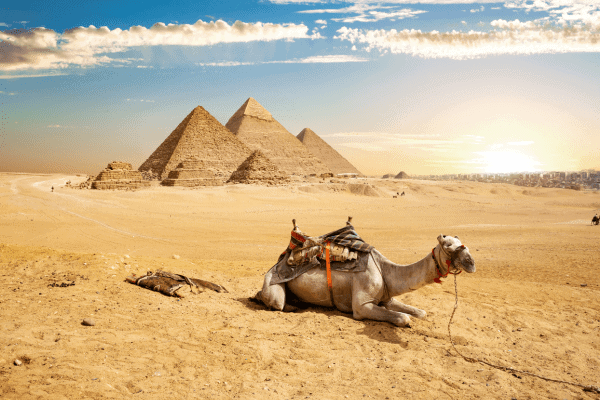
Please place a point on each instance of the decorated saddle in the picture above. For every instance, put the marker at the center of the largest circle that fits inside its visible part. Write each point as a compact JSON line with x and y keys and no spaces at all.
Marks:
{"x":344,"y":248}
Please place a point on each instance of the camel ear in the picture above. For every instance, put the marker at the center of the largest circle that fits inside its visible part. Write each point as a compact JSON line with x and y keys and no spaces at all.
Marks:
{"x":457,"y":237}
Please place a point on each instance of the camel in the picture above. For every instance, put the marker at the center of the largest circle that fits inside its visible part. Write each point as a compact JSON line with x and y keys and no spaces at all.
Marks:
{"x":370,"y":294}
{"x":595,"y":220}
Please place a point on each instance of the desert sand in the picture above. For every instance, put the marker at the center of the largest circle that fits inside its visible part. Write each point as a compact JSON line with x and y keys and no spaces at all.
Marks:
{"x":532,"y":304}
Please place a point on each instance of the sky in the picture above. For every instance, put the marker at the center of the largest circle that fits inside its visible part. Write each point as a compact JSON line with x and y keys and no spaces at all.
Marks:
{"x":425,"y":87}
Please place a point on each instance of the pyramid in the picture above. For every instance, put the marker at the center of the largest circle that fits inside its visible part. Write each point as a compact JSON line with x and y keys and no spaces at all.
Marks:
{"x":199,"y":136}
{"x":401,"y":175}
{"x":258,"y":169}
{"x":119,"y":175}
{"x":327,"y":154}
{"x":192,"y":173}
{"x":257,"y":128}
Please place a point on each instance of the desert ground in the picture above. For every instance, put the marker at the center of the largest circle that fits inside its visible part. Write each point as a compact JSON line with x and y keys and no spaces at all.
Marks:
{"x":533,"y":303}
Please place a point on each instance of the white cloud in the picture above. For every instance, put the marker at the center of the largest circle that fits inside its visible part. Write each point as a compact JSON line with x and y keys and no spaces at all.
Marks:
{"x":4,"y":24}
{"x":366,"y":13}
{"x":308,"y":60}
{"x":42,"y":48}
{"x":296,"y":1}
{"x":480,"y":9}
{"x":373,"y":16}
{"x":225,"y":64}
{"x":142,"y":100}
{"x":321,"y":21}
{"x":29,"y":76}
{"x":512,"y":37}
{"x":463,"y":22}
{"x":8,"y":93}
{"x":384,"y":141}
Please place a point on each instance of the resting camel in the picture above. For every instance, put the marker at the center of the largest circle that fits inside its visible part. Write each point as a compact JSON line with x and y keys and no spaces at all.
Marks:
{"x":370,"y":294}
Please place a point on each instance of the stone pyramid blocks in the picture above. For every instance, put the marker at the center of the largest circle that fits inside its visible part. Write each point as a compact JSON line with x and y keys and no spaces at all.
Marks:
{"x":327,"y":154}
{"x":257,"y":128}
{"x":120,"y":176}
{"x":192,"y":173}
{"x":198,"y":136}
{"x":258,"y":169}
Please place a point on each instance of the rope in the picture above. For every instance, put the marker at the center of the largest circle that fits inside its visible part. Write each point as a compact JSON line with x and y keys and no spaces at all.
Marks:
{"x":587,"y":388}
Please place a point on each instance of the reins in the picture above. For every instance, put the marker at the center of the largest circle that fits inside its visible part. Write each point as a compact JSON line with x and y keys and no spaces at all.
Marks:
{"x":586,"y":388}
{"x":438,"y":269}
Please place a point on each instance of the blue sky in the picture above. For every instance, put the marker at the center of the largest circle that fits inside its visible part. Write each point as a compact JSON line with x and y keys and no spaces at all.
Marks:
{"x":427,"y":87}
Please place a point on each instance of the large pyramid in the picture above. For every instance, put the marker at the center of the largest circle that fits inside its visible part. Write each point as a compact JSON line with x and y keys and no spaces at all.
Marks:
{"x":198,"y":136}
{"x":257,"y":128}
{"x":327,"y":154}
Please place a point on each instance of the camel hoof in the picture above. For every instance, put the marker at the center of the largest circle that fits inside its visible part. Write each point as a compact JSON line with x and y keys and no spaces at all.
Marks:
{"x":288,"y":308}
{"x":421,"y":314}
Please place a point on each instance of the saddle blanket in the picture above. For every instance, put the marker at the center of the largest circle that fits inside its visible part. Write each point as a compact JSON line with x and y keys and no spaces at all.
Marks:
{"x":305,"y":253}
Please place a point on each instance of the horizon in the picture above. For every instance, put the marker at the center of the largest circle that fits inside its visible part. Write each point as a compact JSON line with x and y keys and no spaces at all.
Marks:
{"x":428,"y":87}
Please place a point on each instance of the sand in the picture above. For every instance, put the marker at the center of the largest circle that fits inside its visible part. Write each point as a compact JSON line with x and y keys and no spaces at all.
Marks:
{"x":526,"y":306}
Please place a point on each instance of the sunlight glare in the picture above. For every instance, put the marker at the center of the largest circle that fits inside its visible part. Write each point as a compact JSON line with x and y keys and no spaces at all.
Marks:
{"x":507,"y":161}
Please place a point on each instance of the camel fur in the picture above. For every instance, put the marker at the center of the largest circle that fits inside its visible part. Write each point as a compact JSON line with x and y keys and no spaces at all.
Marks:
{"x":370,"y":294}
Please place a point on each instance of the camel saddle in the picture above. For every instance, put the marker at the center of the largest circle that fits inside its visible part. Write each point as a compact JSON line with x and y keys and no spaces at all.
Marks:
{"x":348,"y":252}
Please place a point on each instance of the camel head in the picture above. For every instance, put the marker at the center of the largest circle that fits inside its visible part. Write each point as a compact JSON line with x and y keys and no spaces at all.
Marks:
{"x":457,"y":252}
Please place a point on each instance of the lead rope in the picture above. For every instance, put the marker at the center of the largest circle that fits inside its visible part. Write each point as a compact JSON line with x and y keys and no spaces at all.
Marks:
{"x":587,"y":388}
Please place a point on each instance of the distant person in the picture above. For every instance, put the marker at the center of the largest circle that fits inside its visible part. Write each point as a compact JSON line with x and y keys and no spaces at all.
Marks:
{"x":52,"y":189}
{"x":595,"y":220}
{"x":402,"y":194}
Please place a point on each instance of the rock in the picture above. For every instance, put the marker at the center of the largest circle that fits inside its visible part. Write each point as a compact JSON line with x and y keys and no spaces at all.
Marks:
{"x":583,"y":284}
{"x":18,"y":363}
{"x":88,"y":322}
{"x":176,"y":257}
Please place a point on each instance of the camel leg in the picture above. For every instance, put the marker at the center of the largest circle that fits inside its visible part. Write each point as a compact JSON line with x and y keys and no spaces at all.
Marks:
{"x":377,"y":313}
{"x":395,"y":305}
{"x":273,"y":296}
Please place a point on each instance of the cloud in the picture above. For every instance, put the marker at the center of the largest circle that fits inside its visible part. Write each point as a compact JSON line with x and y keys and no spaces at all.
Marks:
{"x":321,"y":21}
{"x":30,"y":76}
{"x":308,"y":60}
{"x":480,"y":9}
{"x":509,"y":37}
{"x":4,"y":24}
{"x":8,"y":93}
{"x":373,"y":16}
{"x":42,"y":48}
{"x":142,"y":100}
{"x":385,"y":142}
{"x":366,"y":13}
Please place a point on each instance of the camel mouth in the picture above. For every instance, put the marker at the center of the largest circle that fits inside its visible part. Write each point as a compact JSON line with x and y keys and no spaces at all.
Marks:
{"x":469,"y":269}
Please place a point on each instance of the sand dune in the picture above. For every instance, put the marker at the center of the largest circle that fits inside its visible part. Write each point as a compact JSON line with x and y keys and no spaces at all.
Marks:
{"x":532,"y":304}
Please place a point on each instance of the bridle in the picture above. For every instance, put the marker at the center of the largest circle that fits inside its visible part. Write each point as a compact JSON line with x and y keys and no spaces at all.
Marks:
{"x":449,"y":262}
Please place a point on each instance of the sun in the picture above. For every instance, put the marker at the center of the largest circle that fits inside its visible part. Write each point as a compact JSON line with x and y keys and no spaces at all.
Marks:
{"x":507,"y":161}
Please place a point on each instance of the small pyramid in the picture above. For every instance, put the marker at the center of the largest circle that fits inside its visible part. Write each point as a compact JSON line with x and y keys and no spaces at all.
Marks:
{"x":258,"y":169}
{"x":401,"y":175}
{"x":257,"y":128}
{"x":327,"y":154}
{"x":192,"y":173}
{"x":199,"y":136}
{"x":120,"y":176}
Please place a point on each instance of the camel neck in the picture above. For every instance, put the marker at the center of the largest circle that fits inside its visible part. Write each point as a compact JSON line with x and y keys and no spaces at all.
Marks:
{"x":402,"y":279}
